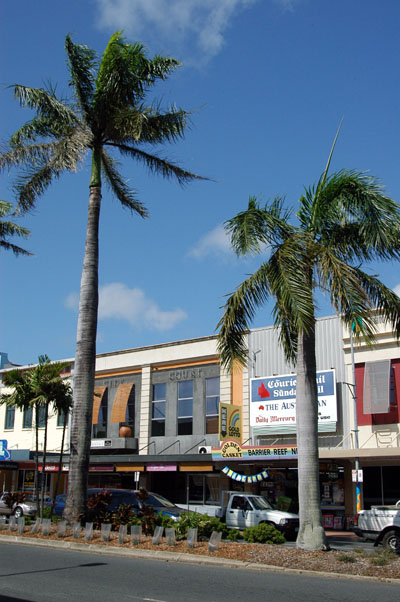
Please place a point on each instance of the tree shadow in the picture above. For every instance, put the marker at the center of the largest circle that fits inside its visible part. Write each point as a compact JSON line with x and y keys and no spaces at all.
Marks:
{"x":63,"y":568}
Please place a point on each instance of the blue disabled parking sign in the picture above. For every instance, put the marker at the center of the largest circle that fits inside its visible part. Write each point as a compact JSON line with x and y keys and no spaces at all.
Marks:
{"x":4,"y":453}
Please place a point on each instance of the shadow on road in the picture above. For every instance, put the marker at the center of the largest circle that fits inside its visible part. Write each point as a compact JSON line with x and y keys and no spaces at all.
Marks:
{"x":63,"y":568}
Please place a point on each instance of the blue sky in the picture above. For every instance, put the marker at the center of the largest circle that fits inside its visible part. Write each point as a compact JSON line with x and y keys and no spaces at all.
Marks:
{"x":267,"y":82}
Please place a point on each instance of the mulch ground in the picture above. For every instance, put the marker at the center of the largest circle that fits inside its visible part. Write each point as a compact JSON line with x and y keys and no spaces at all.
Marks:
{"x":379,"y":564}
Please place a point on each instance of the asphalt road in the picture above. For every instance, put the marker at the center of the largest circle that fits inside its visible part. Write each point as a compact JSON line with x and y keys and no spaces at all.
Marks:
{"x":39,"y":574}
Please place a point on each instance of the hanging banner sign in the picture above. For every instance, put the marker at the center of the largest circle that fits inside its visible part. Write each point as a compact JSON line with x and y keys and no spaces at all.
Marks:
{"x":230,"y":422}
{"x":232,"y":450}
{"x":242,"y":478}
{"x":273,"y":400}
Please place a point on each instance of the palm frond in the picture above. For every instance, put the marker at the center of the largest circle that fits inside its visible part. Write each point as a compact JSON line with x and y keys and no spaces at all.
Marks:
{"x":82,"y":60}
{"x":239,"y":310}
{"x":8,"y":228}
{"x":258,"y":226}
{"x":31,"y":154}
{"x":65,"y":156}
{"x":148,"y":125}
{"x":39,"y":127}
{"x":156,"y":164}
{"x":45,"y":103}
{"x":120,"y":188}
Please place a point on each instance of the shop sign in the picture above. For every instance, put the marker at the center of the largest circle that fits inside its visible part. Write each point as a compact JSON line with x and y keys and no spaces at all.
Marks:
{"x":101,"y":443}
{"x":232,"y":450}
{"x":242,"y":478}
{"x":4,"y":453}
{"x":101,"y":468}
{"x":230,"y":422}
{"x":186,"y":374}
{"x":273,"y":400}
{"x":162,"y":467}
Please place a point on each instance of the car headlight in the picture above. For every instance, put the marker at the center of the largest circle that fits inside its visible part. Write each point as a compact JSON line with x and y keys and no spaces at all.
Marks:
{"x":284,"y":521}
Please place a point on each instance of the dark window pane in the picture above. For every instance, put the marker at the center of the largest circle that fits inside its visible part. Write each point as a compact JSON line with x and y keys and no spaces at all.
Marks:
{"x":62,"y":418}
{"x":158,"y":428}
{"x":27,"y":420}
{"x":42,"y":417}
{"x":130,"y":408}
{"x":185,"y":407}
{"x":185,"y":426}
{"x":159,"y":391}
{"x":212,"y":386}
{"x":212,"y":406}
{"x":185,"y":389}
{"x":212,"y":425}
{"x":158,"y":410}
{"x":10,"y":415}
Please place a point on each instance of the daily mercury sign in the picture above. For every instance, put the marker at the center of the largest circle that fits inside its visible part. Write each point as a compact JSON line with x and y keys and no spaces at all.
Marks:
{"x":273,"y":399}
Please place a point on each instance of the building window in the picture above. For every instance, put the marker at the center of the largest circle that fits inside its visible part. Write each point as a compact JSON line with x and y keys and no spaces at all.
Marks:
{"x":27,"y":418}
{"x":185,"y":407}
{"x":62,"y":418}
{"x":130,"y":408}
{"x":10,"y":416}
{"x":158,"y":410}
{"x":212,"y":405}
{"x":42,"y":417}
{"x":100,"y":427}
{"x":393,"y":414}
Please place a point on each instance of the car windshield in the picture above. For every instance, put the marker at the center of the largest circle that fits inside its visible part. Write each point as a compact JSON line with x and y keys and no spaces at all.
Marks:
{"x":158,"y":500}
{"x":260,"y":503}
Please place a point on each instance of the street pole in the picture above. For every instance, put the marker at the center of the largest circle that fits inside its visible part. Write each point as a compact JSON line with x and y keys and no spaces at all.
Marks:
{"x":357,"y":462}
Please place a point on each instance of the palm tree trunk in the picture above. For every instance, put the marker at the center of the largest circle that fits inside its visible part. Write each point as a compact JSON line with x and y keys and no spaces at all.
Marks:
{"x":43,"y":487}
{"x":84,"y":368}
{"x":37,"y":459}
{"x":311,"y":532}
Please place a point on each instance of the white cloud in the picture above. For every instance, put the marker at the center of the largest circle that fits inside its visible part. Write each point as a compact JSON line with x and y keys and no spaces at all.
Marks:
{"x":117,"y":301}
{"x":216,"y":242}
{"x":396,"y":290}
{"x":199,"y":23}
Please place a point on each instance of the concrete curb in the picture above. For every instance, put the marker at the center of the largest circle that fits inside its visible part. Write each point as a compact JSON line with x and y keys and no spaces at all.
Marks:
{"x":177,"y":557}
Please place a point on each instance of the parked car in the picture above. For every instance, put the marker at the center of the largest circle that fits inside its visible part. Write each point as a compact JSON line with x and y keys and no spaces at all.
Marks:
{"x":25,"y":507}
{"x":127,"y":496}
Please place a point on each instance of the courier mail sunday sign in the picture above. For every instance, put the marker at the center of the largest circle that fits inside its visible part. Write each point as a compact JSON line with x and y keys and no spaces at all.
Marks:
{"x":273,"y":402}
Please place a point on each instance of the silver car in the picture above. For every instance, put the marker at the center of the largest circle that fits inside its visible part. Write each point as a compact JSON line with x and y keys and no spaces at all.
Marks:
{"x":27,"y":507}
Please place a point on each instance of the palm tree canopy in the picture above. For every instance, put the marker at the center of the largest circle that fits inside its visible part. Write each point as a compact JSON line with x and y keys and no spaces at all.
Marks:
{"x":9,"y":229}
{"x":38,"y":386}
{"x":343,"y":220}
{"x":107,"y":111}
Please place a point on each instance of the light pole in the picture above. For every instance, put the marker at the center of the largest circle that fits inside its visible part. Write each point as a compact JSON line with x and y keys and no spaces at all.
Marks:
{"x":357,"y":461}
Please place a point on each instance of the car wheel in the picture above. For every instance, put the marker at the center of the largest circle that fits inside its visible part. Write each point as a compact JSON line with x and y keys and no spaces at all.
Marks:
{"x":18,"y":512}
{"x":391,"y":540}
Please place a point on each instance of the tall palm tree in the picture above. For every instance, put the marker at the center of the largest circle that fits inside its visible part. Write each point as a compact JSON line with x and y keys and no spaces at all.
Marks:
{"x":344,"y":220}
{"x":108,"y":112}
{"x":8,"y":229}
{"x":38,"y":388}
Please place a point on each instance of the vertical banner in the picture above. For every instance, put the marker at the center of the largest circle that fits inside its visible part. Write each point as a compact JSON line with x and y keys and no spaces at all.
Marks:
{"x":230,"y":422}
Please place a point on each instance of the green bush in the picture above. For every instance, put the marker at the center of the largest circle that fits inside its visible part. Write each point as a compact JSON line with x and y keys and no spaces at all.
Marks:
{"x":205,"y":525}
{"x":346,"y":558}
{"x":263,"y":533}
{"x":234,"y":535}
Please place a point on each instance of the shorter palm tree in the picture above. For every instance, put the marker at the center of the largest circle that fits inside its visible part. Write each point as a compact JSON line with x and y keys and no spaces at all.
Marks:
{"x":9,"y":229}
{"x":344,"y":220}
{"x":38,"y":388}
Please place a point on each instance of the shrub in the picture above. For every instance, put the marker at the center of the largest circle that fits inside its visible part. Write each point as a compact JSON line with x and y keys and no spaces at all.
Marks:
{"x":234,"y":535}
{"x":205,"y":525}
{"x":97,"y":508}
{"x":263,"y":533}
{"x":382,"y":557}
{"x":123,"y":515}
{"x":346,"y":558}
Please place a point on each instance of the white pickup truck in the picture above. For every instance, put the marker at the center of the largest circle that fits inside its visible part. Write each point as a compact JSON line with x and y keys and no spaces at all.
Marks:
{"x":242,"y":510}
{"x":381,"y":524}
